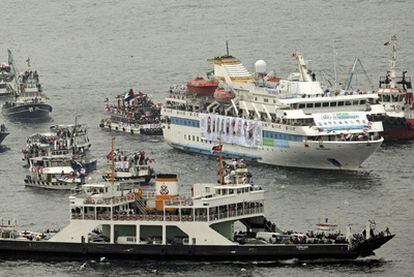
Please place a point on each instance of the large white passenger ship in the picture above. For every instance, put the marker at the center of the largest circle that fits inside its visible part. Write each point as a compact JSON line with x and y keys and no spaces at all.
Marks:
{"x":292,"y":122}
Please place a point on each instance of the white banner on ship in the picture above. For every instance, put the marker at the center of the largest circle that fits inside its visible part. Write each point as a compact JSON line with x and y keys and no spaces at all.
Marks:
{"x":341,"y":120}
{"x":233,"y":130}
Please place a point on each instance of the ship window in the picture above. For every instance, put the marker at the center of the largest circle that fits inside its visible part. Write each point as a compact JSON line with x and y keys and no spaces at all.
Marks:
{"x":266,"y":100}
{"x":193,"y":138}
{"x":355,"y":102}
{"x":274,"y":101}
{"x":317,"y":105}
{"x":340,"y":103}
{"x":325,"y":104}
{"x":255,"y":99}
{"x":348,"y":103}
{"x":333,"y":104}
{"x":198,"y":139}
{"x":301,"y":106}
{"x":185,"y":136}
{"x":231,"y":191}
{"x":207,"y":189}
{"x":362,"y":102}
{"x":309,"y":105}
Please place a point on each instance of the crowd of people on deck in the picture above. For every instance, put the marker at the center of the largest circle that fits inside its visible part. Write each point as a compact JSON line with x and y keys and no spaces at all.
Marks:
{"x":124,"y":161}
{"x":232,"y":174}
{"x":29,"y":75}
{"x":135,"y":108}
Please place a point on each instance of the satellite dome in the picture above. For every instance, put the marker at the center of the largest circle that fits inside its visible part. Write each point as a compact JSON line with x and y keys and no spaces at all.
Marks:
{"x":260,"y":66}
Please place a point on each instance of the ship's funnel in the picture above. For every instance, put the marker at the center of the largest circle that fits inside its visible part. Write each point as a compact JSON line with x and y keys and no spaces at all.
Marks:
{"x":166,"y":187}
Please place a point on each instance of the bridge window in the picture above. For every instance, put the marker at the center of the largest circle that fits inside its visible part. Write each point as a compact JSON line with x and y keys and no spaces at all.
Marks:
{"x":309,"y":105}
{"x":301,"y":105}
{"x":317,"y":105}
{"x":325,"y":104}
{"x":333,"y":104}
{"x":348,"y":103}
{"x":340,"y":103}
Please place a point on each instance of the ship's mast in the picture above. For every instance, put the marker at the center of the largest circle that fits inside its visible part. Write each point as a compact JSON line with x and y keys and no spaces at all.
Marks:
{"x":303,"y":70}
{"x":393,"y":60}
{"x":113,"y":162}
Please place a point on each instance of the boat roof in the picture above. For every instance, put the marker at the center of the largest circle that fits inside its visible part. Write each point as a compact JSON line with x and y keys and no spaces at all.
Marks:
{"x":54,"y":157}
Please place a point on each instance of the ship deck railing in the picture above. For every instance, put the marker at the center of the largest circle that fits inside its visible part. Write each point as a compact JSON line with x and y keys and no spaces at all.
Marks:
{"x":171,"y":218}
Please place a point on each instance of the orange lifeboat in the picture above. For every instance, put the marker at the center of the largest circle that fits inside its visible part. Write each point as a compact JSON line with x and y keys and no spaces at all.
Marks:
{"x":201,"y":86}
{"x":223,"y":95}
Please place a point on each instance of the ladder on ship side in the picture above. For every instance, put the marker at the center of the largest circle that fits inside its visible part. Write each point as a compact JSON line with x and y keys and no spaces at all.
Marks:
{"x":141,"y":205}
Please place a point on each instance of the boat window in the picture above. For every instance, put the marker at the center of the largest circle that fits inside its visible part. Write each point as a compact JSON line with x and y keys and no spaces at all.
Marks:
{"x":386,"y":98}
{"x":266,"y":100}
{"x":401,"y":98}
{"x":395,"y":98}
{"x":355,"y":102}
{"x":340,"y":103}
{"x":198,"y":139}
{"x":362,"y":102}
{"x":231,"y":191}
{"x":255,"y":99}
{"x":193,"y":138}
{"x":309,"y":105}
{"x":325,"y":104}
{"x":301,"y":105}
{"x":185,"y":136}
{"x":207,"y":189}
{"x":333,"y":104}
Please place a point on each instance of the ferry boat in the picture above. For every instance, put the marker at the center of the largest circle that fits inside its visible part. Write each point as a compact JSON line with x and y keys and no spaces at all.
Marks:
{"x":134,"y":114}
{"x":117,"y":221}
{"x":54,"y":172}
{"x":69,"y":139}
{"x":3,"y":132}
{"x":396,"y":95}
{"x":292,"y":122}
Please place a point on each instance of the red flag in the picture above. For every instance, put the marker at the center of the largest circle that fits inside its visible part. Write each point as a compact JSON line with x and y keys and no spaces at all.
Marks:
{"x":217,"y":147}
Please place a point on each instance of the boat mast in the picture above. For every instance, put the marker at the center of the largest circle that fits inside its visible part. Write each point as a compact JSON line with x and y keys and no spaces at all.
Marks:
{"x":227,"y":48}
{"x":334,"y":63}
{"x":113,"y":163}
{"x":393,"y":60}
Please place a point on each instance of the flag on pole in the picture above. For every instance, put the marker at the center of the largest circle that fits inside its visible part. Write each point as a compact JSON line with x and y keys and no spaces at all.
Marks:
{"x":129,"y":94}
{"x":10,"y":57}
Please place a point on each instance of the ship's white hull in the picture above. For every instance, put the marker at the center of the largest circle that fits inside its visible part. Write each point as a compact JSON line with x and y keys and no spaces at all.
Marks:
{"x":332,"y":155}
{"x":52,"y":185}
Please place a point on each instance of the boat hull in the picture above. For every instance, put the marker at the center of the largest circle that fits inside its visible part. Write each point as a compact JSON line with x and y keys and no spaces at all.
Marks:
{"x":398,"y":128}
{"x":51,"y":185}
{"x":329,"y":155}
{"x":133,"y":130}
{"x":28,"y":111}
{"x":3,"y":135}
{"x":190,"y":252}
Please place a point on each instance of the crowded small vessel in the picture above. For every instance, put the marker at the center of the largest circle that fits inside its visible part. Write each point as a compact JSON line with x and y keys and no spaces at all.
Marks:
{"x":133,"y":113}
{"x":160,"y":221}
{"x":29,"y":102}
{"x":135,"y":168}
{"x":396,"y":95}
{"x":63,"y":139}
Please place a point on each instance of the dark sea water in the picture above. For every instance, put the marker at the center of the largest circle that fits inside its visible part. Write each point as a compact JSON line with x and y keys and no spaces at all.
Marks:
{"x":86,"y":51}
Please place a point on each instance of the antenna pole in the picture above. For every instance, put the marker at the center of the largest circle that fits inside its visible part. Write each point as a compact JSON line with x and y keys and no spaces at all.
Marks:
{"x":334,"y":62}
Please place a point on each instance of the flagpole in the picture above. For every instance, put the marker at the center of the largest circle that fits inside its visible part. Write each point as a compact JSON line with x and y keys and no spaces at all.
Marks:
{"x":220,"y":163}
